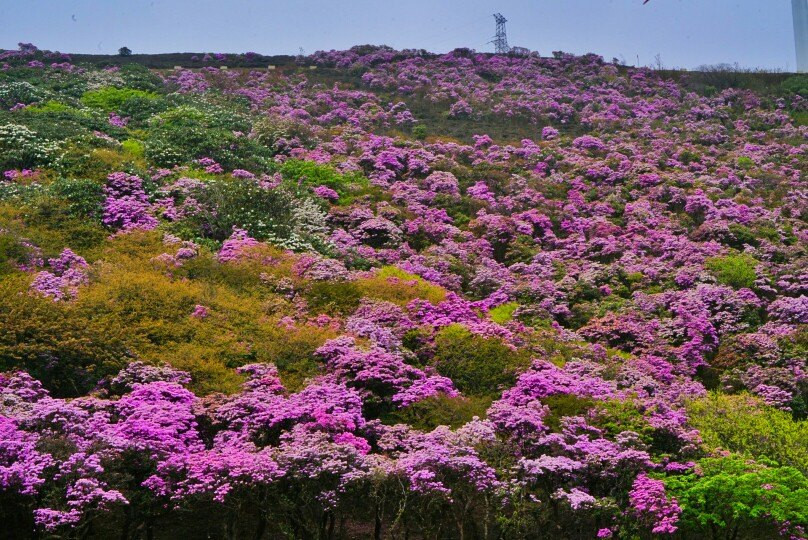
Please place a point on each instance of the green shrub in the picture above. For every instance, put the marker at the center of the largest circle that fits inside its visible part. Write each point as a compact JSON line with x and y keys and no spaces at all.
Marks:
{"x":521,"y":249}
{"x":140,"y":78}
{"x":22,"y":148}
{"x":504,"y":313}
{"x":49,"y":107}
{"x":562,"y":405}
{"x":737,"y":271}
{"x":745,"y":162}
{"x":478,"y":366}
{"x":134,"y":147}
{"x":58,"y":122}
{"x":270,"y":129}
{"x":439,"y":411}
{"x":744,"y":425}
{"x":139,"y":109}
{"x":112,"y":99}
{"x":419,"y":131}
{"x":796,"y":85}
{"x":175,"y":141}
{"x":180,"y":135}
{"x":392,"y":284}
{"x":729,"y":497}
{"x":14,"y":92}
{"x":12,"y":253}
{"x":334,"y":298}
{"x":614,"y":416}
{"x":53,"y":223}
{"x":313,"y":174}
{"x":740,"y":236}
{"x":84,"y":197}
{"x":242,"y":203}
{"x":687,"y":157}
{"x":54,"y":343}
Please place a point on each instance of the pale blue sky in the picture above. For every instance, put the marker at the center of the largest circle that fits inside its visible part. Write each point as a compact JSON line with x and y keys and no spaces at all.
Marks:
{"x":686,"y":33}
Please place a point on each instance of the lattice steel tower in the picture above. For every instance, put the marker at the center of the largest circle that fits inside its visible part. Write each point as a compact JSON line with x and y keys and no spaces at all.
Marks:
{"x":500,"y":40}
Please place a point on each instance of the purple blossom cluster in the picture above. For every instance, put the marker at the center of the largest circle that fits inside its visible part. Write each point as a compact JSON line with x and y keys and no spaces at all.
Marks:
{"x":67,"y":272}
{"x":127,"y":206}
{"x":648,"y":499}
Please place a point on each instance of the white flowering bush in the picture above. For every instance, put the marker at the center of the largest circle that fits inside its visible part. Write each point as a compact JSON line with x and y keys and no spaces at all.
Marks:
{"x":15,"y":92}
{"x":97,"y":79}
{"x":310,"y":223}
{"x":22,"y":148}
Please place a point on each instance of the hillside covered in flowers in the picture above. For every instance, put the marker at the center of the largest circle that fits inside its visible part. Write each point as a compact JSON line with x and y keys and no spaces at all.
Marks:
{"x":396,"y":295}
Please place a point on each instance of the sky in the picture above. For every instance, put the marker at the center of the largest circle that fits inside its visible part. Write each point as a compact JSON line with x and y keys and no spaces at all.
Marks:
{"x":684,"y":33}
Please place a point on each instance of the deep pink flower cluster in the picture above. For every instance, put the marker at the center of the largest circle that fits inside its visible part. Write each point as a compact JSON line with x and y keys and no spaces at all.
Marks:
{"x":67,"y":272}
{"x":236,"y":246}
{"x":118,"y":121}
{"x":380,"y":374}
{"x":127,"y":206}
{"x":648,"y":498}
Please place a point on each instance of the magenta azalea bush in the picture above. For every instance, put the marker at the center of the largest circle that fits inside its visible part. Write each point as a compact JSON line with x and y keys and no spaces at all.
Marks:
{"x":401,"y":295}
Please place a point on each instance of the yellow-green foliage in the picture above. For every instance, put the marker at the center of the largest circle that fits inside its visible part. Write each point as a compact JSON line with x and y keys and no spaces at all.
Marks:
{"x":316,"y":174}
{"x":112,"y":99}
{"x":745,"y":162}
{"x":333,"y":297}
{"x":55,"y":342}
{"x":114,"y":160}
{"x":734,"y":270}
{"x":563,"y":405}
{"x":292,"y":351}
{"x":545,"y":341}
{"x":389,"y":283}
{"x":132,"y":248}
{"x":504,"y":313}
{"x":50,"y":107}
{"x":151,"y":306}
{"x":440,"y":411}
{"x":395,"y":285}
{"x":133,"y":147}
{"x":98,"y":163}
{"x":743,"y":424}
{"x":478,"y":366}
{"x":52,"y":225}
{"x":244,"y":274}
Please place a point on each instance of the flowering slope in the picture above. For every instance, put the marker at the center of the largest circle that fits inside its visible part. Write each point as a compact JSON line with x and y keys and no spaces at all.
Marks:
{"x":394,"y":294}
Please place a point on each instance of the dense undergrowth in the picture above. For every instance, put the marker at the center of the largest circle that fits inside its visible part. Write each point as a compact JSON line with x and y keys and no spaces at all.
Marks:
{"x":401,"y":295}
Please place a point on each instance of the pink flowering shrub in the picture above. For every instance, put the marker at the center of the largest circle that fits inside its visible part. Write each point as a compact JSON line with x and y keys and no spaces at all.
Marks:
{"x":647,"y":497}
{"x":127,"y":206}
{"x":69,"y":271}
{"x":236,"y":246}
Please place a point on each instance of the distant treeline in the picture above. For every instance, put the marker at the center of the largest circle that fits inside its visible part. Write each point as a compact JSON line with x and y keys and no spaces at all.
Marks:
{"x":169,"y":60}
